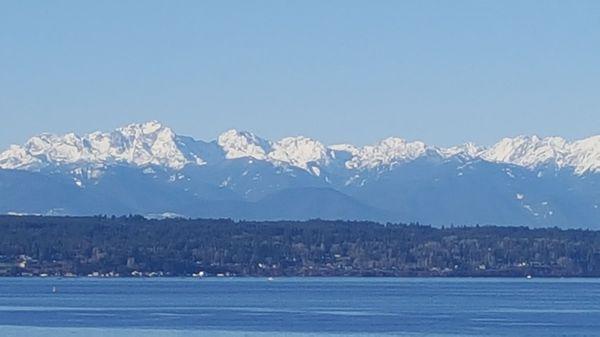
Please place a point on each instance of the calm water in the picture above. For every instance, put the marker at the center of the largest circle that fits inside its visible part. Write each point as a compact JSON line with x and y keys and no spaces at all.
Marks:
{"x":299,"y":307}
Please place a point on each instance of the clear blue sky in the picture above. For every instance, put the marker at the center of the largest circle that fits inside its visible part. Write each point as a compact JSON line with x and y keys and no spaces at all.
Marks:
{"x":443,"y":72}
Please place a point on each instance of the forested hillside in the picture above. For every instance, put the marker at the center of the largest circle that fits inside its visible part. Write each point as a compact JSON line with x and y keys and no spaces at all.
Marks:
{"x":135,"y":246}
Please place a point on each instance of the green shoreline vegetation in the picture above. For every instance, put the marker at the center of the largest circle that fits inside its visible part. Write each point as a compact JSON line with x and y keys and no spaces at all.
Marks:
{"x":128,"y":246}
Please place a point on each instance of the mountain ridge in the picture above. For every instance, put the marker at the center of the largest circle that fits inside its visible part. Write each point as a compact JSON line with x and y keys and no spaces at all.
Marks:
{"x":147,"y":168}
{"x":153,"y":143}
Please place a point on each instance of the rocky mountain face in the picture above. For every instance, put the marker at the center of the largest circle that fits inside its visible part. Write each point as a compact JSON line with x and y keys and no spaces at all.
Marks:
{"x":148,"y":169}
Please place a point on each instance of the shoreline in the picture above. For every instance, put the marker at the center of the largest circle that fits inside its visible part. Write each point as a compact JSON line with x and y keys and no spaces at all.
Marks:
{"x":273,"y":279}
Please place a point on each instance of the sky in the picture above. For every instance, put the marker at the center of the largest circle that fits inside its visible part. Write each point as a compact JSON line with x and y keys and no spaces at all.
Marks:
{"x":444,"y":72}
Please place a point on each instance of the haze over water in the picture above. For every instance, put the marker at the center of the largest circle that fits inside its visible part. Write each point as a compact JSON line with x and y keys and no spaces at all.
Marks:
{"x":299,"y":307}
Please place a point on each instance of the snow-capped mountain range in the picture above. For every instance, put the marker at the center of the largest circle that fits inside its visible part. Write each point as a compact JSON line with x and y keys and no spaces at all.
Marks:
{"x":240,"y":173}
{"x":152,"y":143}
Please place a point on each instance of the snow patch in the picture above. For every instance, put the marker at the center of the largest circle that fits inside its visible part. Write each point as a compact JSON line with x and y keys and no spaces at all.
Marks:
{"x":225,"y":182}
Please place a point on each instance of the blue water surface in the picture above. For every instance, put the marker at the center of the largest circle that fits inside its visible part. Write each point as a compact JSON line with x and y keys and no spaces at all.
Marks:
{"x":234,"y":307}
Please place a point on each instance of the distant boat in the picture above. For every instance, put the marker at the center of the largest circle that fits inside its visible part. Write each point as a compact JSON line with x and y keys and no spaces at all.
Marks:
{"x":270,"y":279}
{"x":54,"y":290}
{"x":529,"y":276}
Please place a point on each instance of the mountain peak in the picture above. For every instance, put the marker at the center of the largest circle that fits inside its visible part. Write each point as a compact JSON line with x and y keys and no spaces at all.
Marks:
{"x":387,"y":152}
{"x":299,"y":151}
{"x":240,"y":144}
{"x":466,"y":150}
{"x":145,"y":128}
{"x":529,"y":151}
{"x":136,"y":144}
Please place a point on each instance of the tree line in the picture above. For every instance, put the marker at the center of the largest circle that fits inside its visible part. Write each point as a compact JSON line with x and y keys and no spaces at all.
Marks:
{"x":135,"y":246}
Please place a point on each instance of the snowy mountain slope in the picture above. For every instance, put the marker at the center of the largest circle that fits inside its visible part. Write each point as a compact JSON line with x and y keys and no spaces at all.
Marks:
{"x":242,"y":144}
{"x":152,"y":143}
{"x":532,"y":152}
{"x":147,"y":168}
{"x":136,"y":144}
